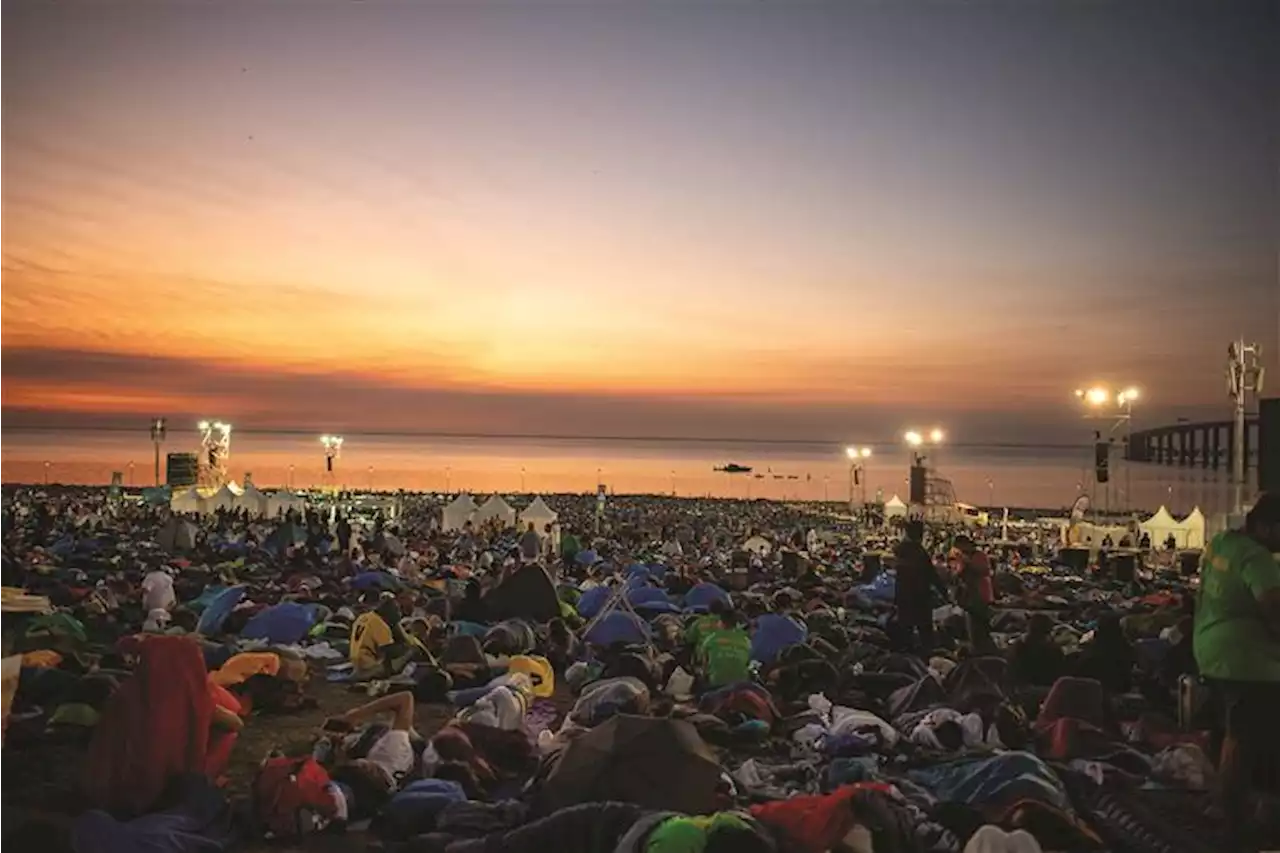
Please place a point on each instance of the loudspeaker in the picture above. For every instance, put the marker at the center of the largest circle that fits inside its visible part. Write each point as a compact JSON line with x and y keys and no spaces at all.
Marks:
{"x":1123,"y":566}
{"x":1077,"y":559}
{"x":1269,"y":444}
{"x":1102,"y":461}
{"x":918,"y":478}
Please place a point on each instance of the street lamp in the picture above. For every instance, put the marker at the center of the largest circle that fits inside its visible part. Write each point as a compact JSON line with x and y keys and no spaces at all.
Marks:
{"x":916,"y":439}
{"x":1101,"y":402}
{"x":157,"y":439}
{"x":332,"y":445}
{"x":857,"y":461}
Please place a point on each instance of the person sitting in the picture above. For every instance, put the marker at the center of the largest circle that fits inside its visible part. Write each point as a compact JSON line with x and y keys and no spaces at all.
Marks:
{"x":725,"y":654}
{"x":379,"y":646}
{"x":561,"y":644}
{"x":165,"y":721}
{"x":1037,"y":660}
{"x":1110,"y":658}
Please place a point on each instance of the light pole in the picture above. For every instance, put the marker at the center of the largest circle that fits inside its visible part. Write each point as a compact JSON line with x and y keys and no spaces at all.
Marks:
{"x":290,"y":476}
{"x":673,"y":482}
{"x":448,"y":480}
{"x":857,"y":460}
{"x":130,"y":474}
{"x":1244,"y":377}
{"x":991,"y":494}
{"x":936,"y":437}
{"x":157,"y":439}
{"x":371,"y":478}
{"x":332,"y":445}
{"x":47,"y":466}
{"x":1100,"y":402}
{"x":522,"y":479}
{"x":916,"y":439}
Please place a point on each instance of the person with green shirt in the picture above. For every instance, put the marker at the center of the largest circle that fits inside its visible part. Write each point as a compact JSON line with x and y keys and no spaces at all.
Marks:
{"x":1237,"y":647}
{"x":725,"y":654}
{"x":703,"y":625}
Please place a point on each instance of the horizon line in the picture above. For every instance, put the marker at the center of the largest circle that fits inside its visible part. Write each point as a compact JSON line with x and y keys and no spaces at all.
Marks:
{"x":664,"y":439}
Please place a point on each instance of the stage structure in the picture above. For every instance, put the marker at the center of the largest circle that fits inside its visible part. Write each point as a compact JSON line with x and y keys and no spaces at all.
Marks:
{"x":215,"y":453}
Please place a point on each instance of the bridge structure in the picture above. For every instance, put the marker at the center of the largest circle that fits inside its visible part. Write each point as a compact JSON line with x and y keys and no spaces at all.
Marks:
{"x":1205,"y":444}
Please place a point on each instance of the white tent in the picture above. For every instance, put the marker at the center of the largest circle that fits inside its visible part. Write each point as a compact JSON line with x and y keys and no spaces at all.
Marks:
{"x":226,"y":498}
{"x":458,"y":513}
{"x":497,"y":508}
{"x":252,"y":499}
{"x":1092,"y":535}
{"x":1193,"y":530}
{"x":758,"y":545}
{"x":1160,"y":525}
{"x":538,"y":514}
{"x":895,"y":508}
{"x":284,"y":501}
{"x":188,"y":500}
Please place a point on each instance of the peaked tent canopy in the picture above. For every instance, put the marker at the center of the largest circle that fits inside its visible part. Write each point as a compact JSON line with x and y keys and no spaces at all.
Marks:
{"x":458,"y":513}
{"x":1160,"y":525}
{"x":538,"y":514}
{"x":497,"y":508}
{"x":226,"y":498}
{"x":1193,"y":525}
{"x":528,"y":593}
{"x":188,"y":500}
{"x":895,"y":508}
{"x":253,"y":499}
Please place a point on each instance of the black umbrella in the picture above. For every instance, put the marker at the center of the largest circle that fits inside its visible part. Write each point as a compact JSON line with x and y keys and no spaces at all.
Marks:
{"x":656,"y":763}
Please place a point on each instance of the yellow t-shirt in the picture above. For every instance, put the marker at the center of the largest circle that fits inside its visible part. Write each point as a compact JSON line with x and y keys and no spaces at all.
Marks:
{"x":369,"y":633}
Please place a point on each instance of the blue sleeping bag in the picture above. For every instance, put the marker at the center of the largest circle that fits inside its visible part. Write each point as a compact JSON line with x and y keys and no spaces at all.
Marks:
{"x":618,"y":627}
{"x":218,"y":609}
{"x":700,"y":597}
{"x":773,"y":634}
{"x":285,"y":623}
{"x":593,"y":601}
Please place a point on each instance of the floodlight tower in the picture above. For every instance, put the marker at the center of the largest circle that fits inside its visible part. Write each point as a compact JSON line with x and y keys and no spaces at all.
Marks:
{"x":215,"y":452}
{"x":1244,"y":377}
{"x":332,"y":445}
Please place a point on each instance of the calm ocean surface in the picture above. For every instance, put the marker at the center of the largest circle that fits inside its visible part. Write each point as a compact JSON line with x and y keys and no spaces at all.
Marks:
{"x":987,"y":476}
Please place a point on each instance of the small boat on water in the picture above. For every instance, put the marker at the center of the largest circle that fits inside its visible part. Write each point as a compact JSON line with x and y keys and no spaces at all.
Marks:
{"x":733,"y":468}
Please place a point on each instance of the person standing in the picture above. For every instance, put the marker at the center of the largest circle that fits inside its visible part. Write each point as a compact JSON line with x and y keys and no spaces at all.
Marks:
{"x":530,"y":545}
{"x":913,"y":594}
{"x":1237,"y":649}
{"x":975,"y":594}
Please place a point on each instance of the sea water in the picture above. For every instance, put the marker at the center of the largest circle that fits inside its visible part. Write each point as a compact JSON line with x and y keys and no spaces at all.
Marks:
{"x":1027,"y":475}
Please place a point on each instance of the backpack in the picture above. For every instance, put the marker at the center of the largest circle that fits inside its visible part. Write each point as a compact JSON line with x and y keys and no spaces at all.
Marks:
{"x":284,"y":789}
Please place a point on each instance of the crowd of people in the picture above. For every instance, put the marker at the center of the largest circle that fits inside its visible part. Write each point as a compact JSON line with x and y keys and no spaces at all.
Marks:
{"x":663,"y":675}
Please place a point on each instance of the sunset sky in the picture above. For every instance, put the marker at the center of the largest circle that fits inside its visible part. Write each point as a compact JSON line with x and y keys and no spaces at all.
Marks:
{"x":739,"y":219}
